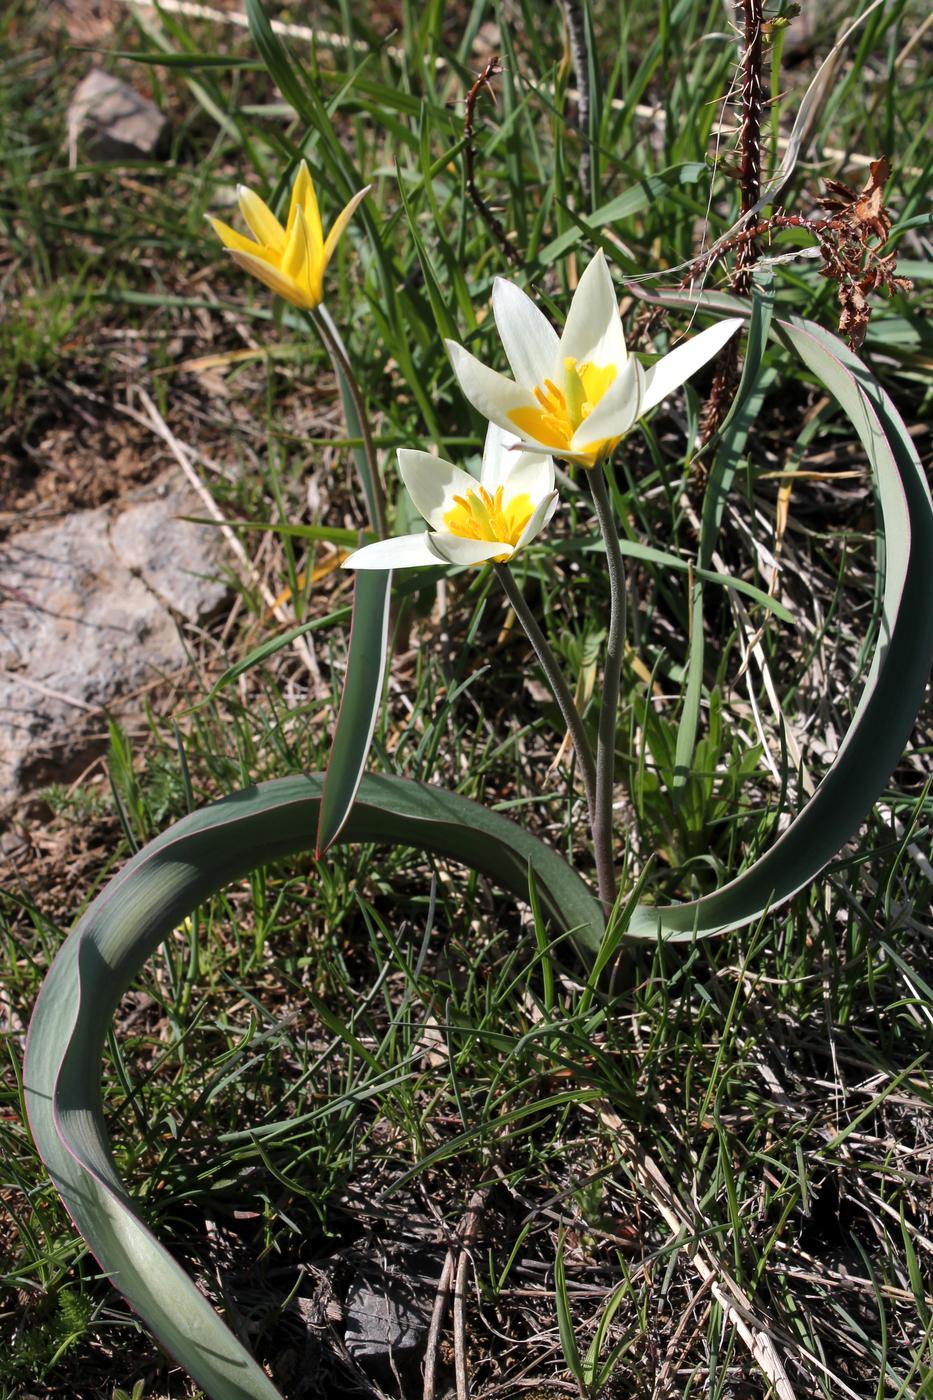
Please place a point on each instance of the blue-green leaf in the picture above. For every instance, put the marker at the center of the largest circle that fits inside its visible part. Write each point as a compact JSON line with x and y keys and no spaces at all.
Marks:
{"x":362,"y":696}
{"x":136,"y":911}
{"x":897,"y":676}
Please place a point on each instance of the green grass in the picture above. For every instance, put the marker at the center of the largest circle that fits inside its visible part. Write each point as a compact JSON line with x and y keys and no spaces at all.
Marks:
{"x":317,"y":1078}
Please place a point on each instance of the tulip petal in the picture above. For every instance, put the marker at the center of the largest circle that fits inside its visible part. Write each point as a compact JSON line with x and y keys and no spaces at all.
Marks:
{"x":261,"y":220}
{"x":402,"y":552}
{"x":526,"y":473}
{"x":593,"y":331}
{"x":615,"y":413}
{"x":298,"y":257}
{"x":454,"y":549}
{"x":529,"y":339}
{"x":340,"y":223}
{"x":488,"y":391}
{"x":270,"y":275}
{"x":542,"y":514}
{"x":231,"y":239}
{"x":432,"y":483}
{"x":677,"y":367}
{"x":305,"y":199}
{"x":502,"y":453}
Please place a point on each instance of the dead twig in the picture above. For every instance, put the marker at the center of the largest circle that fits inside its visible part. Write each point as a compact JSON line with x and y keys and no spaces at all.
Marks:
{"x":726,"y":379}
{"x":850,"y":239}
{"x":441,"y":1302}
{"x":469,"y":1229}
{"x":493,"y":223}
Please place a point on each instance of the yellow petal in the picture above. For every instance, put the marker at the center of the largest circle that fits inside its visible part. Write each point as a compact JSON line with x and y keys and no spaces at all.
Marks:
{"x":299,"y":263}
{"x":305,"y":199}
{"x":543,"y":427}
{"x":230,"y":238}
{"x":343,"y":219}
{"x":269,"y":274}
{"x":261,"y":219}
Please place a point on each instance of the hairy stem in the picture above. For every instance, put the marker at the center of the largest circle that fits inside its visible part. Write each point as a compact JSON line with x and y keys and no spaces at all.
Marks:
{"x":576,"y":42}
{"x":375,"y":496}
{"x":561,"y":692}
{"x":749,"y":134}
{"x":609,"y":707}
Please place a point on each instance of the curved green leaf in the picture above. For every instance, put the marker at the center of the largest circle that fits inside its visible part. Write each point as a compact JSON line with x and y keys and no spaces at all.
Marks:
{"x":136,"y":911}
{"x":891,"y":697}
{"x":359,"y":707}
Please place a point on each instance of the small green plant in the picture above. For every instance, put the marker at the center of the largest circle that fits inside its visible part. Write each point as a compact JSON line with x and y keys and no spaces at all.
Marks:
{"x":34,"y":342}
{"x":137,"y":1393}
{"x":48,"y":1336}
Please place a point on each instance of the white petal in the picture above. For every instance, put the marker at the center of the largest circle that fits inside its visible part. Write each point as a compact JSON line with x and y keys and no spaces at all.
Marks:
{"x":593,"y":333}
{"x":616,"y":411}
{"x":432,"y":483}
{"x":402,"y":552}
{"x":517,"y":471}
{"x":499,"y":452}
{"x":529,"y":339}
{"x":676,"y":368}
{"x":543,"y":512}
{"x":491,"y":393}
{"x":453,"y":549}
{"x":532,"y":476}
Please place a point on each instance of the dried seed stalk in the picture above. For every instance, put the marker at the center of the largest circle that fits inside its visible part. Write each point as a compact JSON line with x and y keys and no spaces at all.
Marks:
{"x":493,"y":69}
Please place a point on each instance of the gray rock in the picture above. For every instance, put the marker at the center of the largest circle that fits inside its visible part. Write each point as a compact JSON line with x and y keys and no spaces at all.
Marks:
{"x":174,"y":558}
{"x":113,"y":121}
{"x":385,"y":1319}
{"x":90,"y":610}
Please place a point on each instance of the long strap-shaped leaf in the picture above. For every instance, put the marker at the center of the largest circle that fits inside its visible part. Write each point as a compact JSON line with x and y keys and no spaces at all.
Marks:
{"x":888,"y":706}
{"x":139,"y":909}
{"x":359,"y":705}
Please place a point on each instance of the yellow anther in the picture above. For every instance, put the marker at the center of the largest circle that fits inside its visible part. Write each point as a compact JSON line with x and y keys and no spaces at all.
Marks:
{"x":481,"y":516}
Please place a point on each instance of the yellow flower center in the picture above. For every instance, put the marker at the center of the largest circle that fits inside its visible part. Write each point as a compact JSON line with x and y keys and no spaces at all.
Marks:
{"x":562,"y":410}
{"x":481,"y":516}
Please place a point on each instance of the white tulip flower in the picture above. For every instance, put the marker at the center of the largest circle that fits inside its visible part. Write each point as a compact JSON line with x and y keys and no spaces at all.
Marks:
{"x":578,"y":394}
{"x":471,"y":522}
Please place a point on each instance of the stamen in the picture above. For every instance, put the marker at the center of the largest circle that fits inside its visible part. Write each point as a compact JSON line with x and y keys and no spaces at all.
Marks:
{"x":555,"y":393}
{"x":481,"y":516}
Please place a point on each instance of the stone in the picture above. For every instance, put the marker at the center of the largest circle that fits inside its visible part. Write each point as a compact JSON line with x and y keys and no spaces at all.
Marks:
{"x":384,"y":1320}
{"x":176,"y":559}
{"x":90,"y":611}
{"x":113,"y":121}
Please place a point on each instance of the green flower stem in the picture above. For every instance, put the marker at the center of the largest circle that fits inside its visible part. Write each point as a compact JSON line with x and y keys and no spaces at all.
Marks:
{"x":609,"y":707}
{"x":344,"y":370}
{"x":561,"y":693}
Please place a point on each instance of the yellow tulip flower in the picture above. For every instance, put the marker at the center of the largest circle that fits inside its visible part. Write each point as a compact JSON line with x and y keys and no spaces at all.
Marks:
{"x":291,"y":260}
